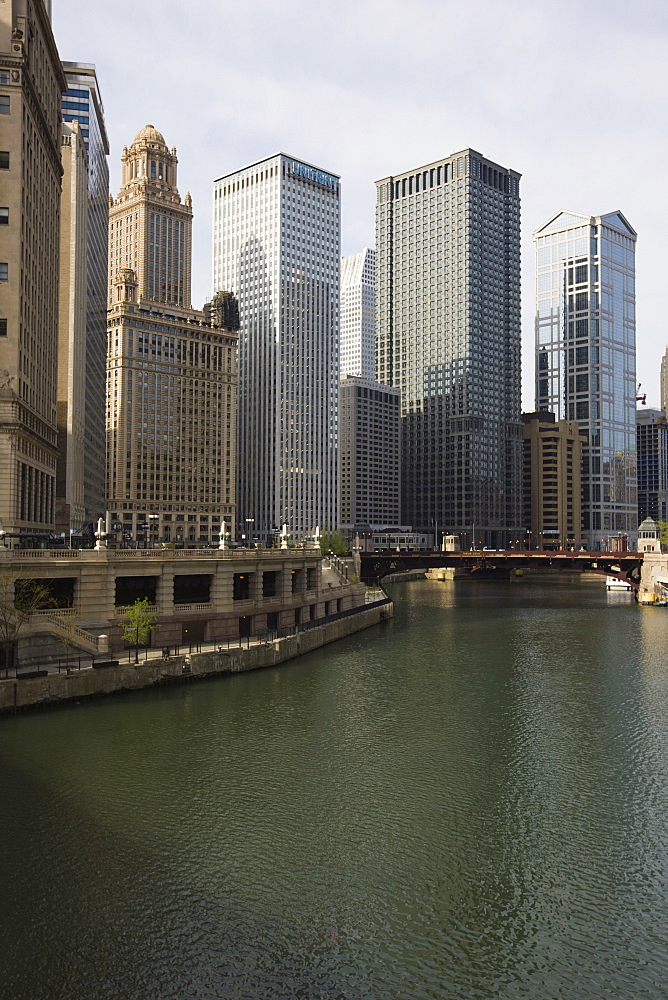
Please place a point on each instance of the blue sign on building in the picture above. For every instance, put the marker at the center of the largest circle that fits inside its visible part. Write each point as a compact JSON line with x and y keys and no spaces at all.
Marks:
{"x":311,"y":174}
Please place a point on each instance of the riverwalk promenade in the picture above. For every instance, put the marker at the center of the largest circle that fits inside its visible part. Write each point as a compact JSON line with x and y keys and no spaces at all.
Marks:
{"x":147,"y":668}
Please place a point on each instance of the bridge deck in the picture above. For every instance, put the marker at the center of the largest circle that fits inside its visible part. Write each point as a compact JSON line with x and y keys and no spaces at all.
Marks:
{"x":623,"y":565}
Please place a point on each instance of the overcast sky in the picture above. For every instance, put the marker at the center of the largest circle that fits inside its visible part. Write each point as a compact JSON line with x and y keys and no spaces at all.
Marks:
{"x":571,"y":93}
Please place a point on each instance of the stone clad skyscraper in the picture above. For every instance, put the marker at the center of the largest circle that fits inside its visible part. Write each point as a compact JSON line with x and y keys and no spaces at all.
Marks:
{"x":72,"y":310}
{"x":448,"y":285}
{"x":276,"y":247}
{"x":585,"y":357}
{"x":82,"y":102}
{"x":31,"y":83}
{"x":358,"y":315}
{"x":664,"y":381}
{"x":171,"y":370}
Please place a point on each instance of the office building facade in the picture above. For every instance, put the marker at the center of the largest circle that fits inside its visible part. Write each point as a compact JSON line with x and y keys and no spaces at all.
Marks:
{"x":31,"y":83}
{"x":72,"y":314}
{"x":358,"y":315}
{"x":369,"y":446}
{"x":448,"y":336}
{"x":652,"y":452}
{"x":276,"y":247}
{"x":82,"y":103}
{"x":552,"y":488}
{"x":664,"y":381}
{"x":171,"y":370}
{"x":585,"y":358}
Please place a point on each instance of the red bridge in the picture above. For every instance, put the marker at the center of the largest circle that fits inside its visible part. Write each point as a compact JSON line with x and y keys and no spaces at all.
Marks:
{"x":625,"y":566}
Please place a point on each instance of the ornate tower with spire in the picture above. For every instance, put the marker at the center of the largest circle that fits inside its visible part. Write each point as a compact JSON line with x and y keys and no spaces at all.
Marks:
{"x":171,"y":369}
{"x":150,"y":228}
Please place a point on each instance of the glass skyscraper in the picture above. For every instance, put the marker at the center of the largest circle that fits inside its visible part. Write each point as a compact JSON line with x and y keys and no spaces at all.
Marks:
{"x":448,"y":285}
{"x":82,"y":102}
{"x":585,"y":358}
{"x":276,"y":247}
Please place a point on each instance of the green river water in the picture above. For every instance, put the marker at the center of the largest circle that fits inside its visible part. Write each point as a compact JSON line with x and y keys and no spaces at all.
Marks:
{"x":469,"y":801}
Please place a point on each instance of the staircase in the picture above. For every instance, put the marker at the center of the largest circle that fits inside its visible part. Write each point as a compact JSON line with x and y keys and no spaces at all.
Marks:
{"x":60,"y":627}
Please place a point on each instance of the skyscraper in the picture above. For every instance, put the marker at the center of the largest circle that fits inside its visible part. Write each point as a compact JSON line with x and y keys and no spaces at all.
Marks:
{"x":585,"y":357}
{"x":652,"y":444}
{"x":72,"y":301}
{"x":448,"y":258}
{"x":664,"y":381}
{"x":369,"y":434}
{"x":552,"y":464}
{"x":31,"y":82}
{"x":82,"y":102}
{"x":358,"y":315}
{"x":171,"y":370}
{"x":276,"y":247}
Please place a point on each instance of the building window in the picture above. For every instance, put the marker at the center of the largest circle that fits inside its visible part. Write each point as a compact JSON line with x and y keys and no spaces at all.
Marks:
{"x":4,"y":104}
{"x":3,"y":327}
{"x":4,"y":272}
{"x":4,"y":216}
{"x":4,"y":159}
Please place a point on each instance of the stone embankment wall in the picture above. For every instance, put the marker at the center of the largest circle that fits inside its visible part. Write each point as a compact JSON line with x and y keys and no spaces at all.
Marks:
{"x":653,"y":577}
{"x":55,"y":688}
{"x":409,"y":574}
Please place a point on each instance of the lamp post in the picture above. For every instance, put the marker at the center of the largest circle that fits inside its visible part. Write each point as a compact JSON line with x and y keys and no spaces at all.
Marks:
{"x":152,"y":526}
{"x":100,"y":535}
{"x":250,"y":521}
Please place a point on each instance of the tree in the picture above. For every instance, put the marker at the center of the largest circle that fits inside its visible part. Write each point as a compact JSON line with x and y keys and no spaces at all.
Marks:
{"x":139,"y":623}
{"x":663,"y":529}
{"x":334,"y":541}
{"x":19,"y":599}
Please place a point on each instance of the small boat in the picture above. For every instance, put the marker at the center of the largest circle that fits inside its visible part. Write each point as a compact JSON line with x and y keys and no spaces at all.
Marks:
{"x":613,"y":583}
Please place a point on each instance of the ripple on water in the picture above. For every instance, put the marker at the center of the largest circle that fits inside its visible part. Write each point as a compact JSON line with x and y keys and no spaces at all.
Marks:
{"x":467,"y":802}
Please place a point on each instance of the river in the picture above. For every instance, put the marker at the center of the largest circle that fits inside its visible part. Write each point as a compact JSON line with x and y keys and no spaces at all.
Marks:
{"x":469,"y":801}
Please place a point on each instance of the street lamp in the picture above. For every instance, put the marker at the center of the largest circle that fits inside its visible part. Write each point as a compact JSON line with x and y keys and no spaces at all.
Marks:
{"x":152,"y":526}
{"x":250,"y":521}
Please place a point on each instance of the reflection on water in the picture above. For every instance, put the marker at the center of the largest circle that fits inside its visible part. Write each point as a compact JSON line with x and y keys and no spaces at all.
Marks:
{"x":468,"y":801}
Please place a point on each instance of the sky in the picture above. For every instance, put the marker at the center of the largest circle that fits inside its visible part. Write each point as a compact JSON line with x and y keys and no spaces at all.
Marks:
{"x":572,"y":94}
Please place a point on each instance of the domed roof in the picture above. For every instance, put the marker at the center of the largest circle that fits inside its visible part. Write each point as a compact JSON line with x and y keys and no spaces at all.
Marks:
{"x":150,"y":134}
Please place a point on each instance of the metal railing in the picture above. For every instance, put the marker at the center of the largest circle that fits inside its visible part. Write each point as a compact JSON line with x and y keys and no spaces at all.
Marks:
{"x":131,"y":653}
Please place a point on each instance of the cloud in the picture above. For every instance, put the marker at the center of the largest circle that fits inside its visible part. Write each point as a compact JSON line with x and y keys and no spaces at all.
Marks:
{"x":570,"y":94}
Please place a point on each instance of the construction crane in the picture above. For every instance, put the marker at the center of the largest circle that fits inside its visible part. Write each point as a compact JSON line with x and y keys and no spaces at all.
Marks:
{"x":641,"y":398}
